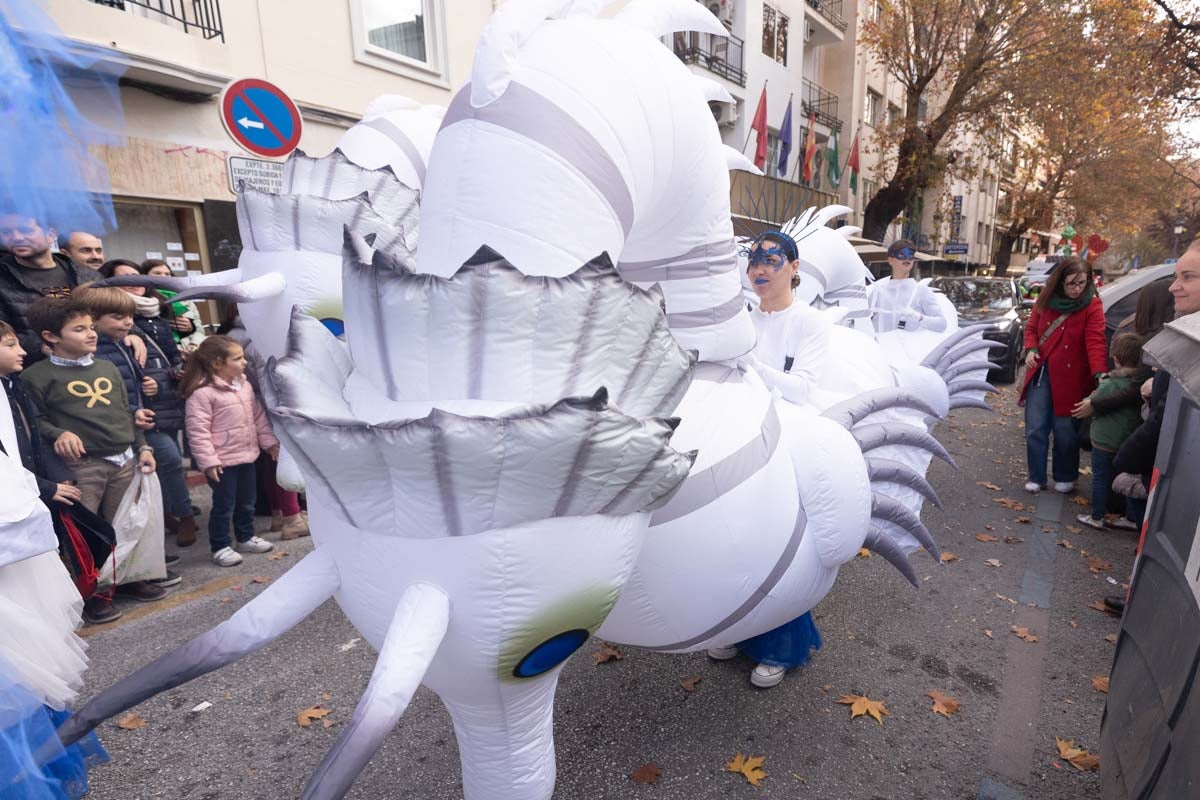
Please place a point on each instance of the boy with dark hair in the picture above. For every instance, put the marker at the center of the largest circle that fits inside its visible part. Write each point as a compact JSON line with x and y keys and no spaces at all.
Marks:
{"x":19,"y":437}
{"x":1115,"y":410}
{"x":83,"y":408}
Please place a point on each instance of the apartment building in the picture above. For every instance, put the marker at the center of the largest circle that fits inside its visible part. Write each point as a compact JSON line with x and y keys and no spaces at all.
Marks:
{"x":170,"y":177}
{"x":774,"y":45}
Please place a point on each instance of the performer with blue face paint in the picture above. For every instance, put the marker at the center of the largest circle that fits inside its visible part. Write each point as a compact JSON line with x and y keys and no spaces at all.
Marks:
{"x":792,"y":338}
{"x":900,"y":302}
{"x":789,"y":354}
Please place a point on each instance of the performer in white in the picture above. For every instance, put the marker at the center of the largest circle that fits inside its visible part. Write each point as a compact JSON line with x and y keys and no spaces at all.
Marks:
{"x":900,"y":302}
{"x":792,"y":338}
{"x":792,"y":346}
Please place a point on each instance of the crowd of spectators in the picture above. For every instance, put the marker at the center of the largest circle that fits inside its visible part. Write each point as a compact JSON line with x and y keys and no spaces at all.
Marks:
{"x":103,"y":382}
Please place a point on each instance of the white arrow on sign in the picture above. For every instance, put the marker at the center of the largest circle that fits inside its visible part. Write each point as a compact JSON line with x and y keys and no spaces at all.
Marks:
{"x":246,"y":122}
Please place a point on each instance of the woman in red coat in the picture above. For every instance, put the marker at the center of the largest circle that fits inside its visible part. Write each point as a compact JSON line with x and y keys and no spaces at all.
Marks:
{"x":1064,"y":355}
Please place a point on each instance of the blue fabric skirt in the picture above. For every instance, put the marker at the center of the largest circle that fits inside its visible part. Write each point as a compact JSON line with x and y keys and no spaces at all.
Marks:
{"x":789,"y":645}
{"x":27,"y":727}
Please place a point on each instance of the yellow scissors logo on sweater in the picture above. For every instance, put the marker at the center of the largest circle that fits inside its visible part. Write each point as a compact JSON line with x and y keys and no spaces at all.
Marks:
{"x":95,"y":392}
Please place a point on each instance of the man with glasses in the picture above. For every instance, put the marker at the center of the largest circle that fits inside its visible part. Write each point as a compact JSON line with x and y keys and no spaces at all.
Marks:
{"x":900,"y":302}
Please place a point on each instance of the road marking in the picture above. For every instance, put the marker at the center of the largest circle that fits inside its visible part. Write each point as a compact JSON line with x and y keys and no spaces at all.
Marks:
{"x":174,"y":600}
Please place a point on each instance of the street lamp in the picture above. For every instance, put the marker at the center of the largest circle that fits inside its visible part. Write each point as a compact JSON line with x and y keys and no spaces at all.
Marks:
{"x":1179,"y":229}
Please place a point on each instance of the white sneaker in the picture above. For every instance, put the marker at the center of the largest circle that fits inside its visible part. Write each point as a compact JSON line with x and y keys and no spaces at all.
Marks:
{"x":1064,"y":488}
{"x":226,"y":557}
{"x":1123,"y":524}
{"x":1090,"y":521}
{"x":255,"y":544}
{"x":1033,"y":488}
{"x":764,"y":676}
{"x":722,"y":653}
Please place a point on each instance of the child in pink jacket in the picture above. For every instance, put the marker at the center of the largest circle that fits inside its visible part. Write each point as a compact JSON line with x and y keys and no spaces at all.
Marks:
{"x":227,"y":428}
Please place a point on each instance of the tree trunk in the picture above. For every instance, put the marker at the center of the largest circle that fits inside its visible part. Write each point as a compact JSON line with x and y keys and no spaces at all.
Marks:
{"x":1004,"y":251}
{"x":884,"y":207}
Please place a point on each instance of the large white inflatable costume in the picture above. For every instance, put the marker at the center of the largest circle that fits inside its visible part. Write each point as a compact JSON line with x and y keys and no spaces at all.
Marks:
{"x":521,"y":442}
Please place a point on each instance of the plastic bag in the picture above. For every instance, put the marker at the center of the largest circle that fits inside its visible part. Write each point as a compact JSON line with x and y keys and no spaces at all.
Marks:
{"x":139,"y":554}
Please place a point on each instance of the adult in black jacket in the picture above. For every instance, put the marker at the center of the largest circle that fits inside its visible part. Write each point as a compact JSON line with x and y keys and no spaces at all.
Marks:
{"x":30,"y":271}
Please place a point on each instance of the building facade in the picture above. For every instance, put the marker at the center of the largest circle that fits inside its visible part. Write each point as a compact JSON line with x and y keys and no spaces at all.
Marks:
{"x":170,"y":174}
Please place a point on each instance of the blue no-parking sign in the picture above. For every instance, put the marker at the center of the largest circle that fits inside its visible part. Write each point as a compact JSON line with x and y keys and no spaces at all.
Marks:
{"x":260,"y":117}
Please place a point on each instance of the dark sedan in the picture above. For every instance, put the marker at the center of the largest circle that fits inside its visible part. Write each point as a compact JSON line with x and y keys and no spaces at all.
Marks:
{"x":994,"y":301}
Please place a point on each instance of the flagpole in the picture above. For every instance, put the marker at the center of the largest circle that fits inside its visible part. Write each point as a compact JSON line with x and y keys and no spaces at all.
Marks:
{"x":751,"y":130}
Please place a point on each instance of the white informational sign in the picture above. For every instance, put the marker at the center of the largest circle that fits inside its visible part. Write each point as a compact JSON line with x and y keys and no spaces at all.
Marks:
{"x":191,"y":256}
{"x":153,"y":254}
{"x":174,"y":245}
{"x":255,"y":173}
{"x":176,"y":264}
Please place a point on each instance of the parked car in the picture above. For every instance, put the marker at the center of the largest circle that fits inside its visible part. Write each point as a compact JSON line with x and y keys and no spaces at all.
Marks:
{"x":994,"y":301}
{"x":1121,"y":296}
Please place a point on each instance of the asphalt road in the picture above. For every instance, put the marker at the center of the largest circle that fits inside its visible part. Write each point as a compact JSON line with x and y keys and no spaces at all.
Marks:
{"x":882,"y":639}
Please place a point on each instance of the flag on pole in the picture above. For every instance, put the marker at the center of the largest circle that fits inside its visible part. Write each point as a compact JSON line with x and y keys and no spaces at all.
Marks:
{"x":833,"y":160}
{"x":785,"y":139}
{"x":810,"y":148}
{"x":759,"y":124}
{"x":852,"y":165}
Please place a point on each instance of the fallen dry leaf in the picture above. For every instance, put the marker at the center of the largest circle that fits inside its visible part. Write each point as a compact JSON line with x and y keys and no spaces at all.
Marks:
{"x":827,"y":687}
{"x":1025,"y":520}
{"x":1047,"y":529}
{"x":990,"y":527}
{"x":988,"y":485}
{"x":1013,"y":539}
{"x":260,"y":579}
{"x":947,"y":557}
{"x":1009,"y":599}
{"x":646,"y":773}
{"x":1024,"y":634}
{"x":1081,"y":501}
{"x":993,"y":562}
{"x":689,"y":683}
{"x":327,"y":723}
{"x":861,"y":705}
{"x":1111,"y":638}
{"x":749,"y":767}
{"x":1077,"y":757}
{"x":1073,"y":624}
{"x":1010,"y":503}
{"x":1098,"y":565}
{"x":985,"y":537}
{"x":864,"y":552}
{"x":326,"y":696}
{"x":1066,"y":543}
{"x":988,"y":633}
{"x":131,"y":722}
{"x":278,"y":554}
{"x":942,"y":704}
{"x":1074,"y":529}
{"x":1098,"y":605}
{"x":1100,"y":683}
{"x":607,"y":652}
{"x":310,"y":715}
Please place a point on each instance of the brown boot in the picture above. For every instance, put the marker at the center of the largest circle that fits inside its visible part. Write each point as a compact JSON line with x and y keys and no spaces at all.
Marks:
{"x":276,"y":521}
{"x":185,"y":531}
{"x":294,"y":527}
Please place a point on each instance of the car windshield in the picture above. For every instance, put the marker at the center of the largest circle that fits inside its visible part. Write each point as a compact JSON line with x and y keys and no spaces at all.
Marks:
{"x":995,"y":295}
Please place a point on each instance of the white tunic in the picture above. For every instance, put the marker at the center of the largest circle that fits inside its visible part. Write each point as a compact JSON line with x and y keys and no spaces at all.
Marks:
{"x":893,"y":300}
{"x":791,"y":349}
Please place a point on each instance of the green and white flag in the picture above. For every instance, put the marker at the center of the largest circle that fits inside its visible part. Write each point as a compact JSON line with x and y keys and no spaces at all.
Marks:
{"x":833,"y":160}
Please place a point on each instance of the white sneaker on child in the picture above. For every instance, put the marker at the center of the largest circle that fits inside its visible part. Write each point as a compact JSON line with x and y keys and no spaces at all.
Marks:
{"x":226,"y":557}
{"x":1064,"y":487}
{"x":255,"y":544}
{"x":1033,"y":488}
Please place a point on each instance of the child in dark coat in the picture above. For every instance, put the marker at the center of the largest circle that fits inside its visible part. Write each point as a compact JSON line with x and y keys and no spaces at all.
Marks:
{"x":1115,"y":409}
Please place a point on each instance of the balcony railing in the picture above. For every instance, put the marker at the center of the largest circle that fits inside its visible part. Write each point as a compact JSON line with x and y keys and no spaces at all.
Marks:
{"x":201,"y":17}
{"x":721,"y":55}
{"x":830,"y":10}
{"x":820,"y":103}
